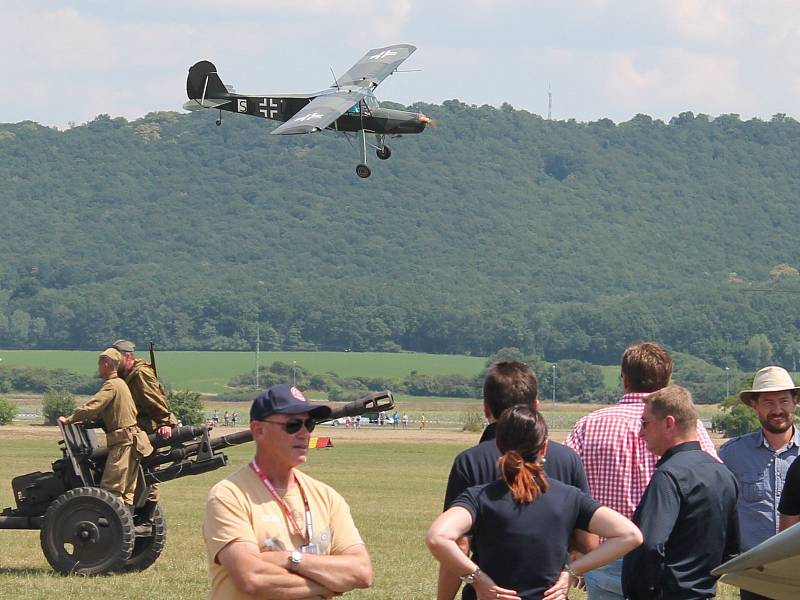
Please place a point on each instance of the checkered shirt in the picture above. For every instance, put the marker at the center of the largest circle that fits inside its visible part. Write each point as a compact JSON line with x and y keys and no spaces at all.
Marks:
{"x":617,"y":462}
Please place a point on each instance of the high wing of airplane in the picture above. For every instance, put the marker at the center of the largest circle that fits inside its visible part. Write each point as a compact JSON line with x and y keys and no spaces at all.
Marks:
{"x":348,"y":106}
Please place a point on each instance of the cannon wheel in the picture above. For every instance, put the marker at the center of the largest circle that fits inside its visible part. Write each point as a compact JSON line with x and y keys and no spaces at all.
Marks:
{"x":87,"y":531}
{"x":148,"y":548}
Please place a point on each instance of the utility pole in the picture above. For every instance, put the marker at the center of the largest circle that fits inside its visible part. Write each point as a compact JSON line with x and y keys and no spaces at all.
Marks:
{"x":554,"y":385}
{"x":549,"y":104}
{"x":258,"y":350}
{"x":727,"y":382}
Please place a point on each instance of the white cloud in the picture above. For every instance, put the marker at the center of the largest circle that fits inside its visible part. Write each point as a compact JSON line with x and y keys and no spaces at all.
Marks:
{"x":701,"y":19}
{"x":679,"y":80}
{"x":602,"y":58}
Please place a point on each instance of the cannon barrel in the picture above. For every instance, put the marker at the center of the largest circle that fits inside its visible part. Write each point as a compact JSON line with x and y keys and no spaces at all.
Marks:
{"x":375,"y":401}
{"x":372,"y":402}
{"x":173,"y":450}
{"x":179,"y":435}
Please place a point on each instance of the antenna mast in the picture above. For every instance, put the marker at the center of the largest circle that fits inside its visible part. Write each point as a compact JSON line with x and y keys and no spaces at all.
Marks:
{"x":549,"y":104}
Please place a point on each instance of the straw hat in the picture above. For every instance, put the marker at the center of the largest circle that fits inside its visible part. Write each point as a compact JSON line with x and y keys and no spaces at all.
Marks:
{"x":768,"y":379}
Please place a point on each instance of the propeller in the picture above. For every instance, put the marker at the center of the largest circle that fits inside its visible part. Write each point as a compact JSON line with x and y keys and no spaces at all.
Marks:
{"x":427,"y":120}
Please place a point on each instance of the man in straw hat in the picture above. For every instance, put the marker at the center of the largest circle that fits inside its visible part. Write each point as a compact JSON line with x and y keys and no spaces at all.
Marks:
{"x":760,"y":460}
{"x":127,"y":444}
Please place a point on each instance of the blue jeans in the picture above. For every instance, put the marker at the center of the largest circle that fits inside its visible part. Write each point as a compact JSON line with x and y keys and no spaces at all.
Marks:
{"x":605,"y":583}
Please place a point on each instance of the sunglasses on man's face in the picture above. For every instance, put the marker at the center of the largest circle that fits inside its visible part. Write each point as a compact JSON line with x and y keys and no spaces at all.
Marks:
{"x":293,"y":425}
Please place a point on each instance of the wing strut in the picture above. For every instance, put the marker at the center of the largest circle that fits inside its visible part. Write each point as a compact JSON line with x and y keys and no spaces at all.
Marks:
{"x":205,"y":87}
{"x":362,"y":170}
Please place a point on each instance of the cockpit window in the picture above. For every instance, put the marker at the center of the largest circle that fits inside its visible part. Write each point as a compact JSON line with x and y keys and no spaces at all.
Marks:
{"x":372,"y":102}
{"x":355,"y":109}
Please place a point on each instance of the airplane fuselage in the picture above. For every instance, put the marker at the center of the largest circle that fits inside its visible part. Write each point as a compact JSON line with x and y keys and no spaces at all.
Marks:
{"x":380,"y":120}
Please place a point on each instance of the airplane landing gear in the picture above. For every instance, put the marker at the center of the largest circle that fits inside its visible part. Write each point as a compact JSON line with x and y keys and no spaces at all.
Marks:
{"x":219,"y":121}
{"x":362,"y":170}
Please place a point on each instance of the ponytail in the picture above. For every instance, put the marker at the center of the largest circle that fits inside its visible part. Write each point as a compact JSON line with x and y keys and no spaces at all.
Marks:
{"x":525,"y":479}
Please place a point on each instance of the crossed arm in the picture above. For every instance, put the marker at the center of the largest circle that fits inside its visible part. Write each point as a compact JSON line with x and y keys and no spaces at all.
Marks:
{"x":266,"y":574}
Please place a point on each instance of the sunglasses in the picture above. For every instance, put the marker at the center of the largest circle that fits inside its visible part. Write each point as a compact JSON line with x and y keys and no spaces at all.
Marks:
{"x":294,"y":425}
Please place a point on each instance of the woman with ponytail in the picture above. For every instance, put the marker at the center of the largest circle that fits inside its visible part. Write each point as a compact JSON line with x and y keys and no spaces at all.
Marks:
{"x":521,"y":524}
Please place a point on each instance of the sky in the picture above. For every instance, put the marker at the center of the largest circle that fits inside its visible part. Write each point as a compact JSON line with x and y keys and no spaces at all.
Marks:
{"x":66,"y":62}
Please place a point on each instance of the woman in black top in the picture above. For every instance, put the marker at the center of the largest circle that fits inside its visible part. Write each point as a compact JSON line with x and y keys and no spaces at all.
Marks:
{"x":521,"y":524}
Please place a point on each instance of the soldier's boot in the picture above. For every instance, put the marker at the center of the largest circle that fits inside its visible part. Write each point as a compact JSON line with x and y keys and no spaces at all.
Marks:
{"x":144,"y":520}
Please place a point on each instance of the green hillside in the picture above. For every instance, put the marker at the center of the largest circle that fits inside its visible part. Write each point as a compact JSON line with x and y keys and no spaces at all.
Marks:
{"x":497,"y":229}
{"x":210,"y":372}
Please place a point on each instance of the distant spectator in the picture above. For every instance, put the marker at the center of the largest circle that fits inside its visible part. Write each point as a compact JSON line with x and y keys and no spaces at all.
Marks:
{"x":233,"y":418}
{"x":422,"y":422}
{"x":226,"y":418}
{"x":395,"y":419}
{"x":405,"y":421}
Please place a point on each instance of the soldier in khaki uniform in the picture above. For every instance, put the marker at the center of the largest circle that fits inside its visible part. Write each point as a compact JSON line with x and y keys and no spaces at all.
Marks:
{"x":126,"y":443}
{"x":151,"y":403}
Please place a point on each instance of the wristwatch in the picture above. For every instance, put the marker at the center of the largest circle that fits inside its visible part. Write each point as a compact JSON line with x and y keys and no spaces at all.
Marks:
{"x":295,"y":558}
{"x":471,"y":577}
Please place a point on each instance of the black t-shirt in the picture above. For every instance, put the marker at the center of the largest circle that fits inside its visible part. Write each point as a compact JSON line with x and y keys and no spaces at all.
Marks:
{"x":524,"y":546}
{"x":478,"y":465}
{"x":790,"y":496}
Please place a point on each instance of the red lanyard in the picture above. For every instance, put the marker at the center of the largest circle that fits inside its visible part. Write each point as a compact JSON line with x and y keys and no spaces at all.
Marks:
{"x":286,"y":510}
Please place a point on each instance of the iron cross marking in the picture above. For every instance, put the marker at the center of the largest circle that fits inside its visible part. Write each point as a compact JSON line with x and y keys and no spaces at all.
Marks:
{"x":268,"y":108}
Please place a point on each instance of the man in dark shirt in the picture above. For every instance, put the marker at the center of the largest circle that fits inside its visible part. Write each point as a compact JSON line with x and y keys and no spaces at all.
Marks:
{"x":507,"y":384}
{"x":688,"y":511}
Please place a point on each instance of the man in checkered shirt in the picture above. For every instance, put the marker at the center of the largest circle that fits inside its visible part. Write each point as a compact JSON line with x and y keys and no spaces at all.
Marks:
{"x":617,"y":462}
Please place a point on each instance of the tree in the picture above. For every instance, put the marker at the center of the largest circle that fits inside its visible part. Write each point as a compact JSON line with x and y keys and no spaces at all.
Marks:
{"x":758,"y":351}
{"x":8,"y":410}
{"x":57,"y":403}
{"x":187,"y":406}
{"x":735,"y":418}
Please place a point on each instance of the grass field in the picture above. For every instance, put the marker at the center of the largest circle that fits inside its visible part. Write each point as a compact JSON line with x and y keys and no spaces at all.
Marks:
{"x":394,"y":482}
{"x":209,"y":372}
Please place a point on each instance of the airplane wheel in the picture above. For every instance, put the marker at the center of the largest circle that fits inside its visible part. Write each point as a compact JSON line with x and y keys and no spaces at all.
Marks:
{"x":384,"y":153}
{"x":87,"y":531}
{"x":219,"y":122}
{"x":363,"y":171}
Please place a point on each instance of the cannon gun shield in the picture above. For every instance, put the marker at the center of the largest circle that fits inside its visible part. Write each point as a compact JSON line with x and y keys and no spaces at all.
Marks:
{"x":87,"y":531}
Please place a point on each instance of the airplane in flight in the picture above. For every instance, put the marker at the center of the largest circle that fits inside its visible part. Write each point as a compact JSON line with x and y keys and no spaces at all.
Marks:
{"x":348,"y":106}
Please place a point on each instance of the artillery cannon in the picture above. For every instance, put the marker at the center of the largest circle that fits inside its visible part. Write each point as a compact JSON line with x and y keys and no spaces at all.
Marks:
{"x":86,"y":530}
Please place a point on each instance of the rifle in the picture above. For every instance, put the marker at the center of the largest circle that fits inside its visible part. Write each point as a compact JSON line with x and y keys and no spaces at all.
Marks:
{"x":153,"y":358}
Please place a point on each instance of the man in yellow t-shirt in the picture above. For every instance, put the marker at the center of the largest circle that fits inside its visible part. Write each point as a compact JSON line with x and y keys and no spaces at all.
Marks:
{"x":269,"y":527}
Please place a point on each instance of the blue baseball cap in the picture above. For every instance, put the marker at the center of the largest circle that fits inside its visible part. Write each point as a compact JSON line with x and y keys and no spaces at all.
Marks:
{"x":284,"y":399}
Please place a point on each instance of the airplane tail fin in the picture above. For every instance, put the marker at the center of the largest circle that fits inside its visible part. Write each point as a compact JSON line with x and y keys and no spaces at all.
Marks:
{"x":203,"y":82}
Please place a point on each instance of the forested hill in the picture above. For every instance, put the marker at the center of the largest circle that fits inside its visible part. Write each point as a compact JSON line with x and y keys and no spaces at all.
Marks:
{"x":497,"y":229}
